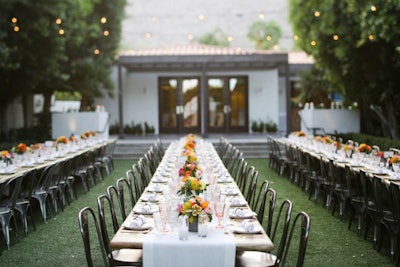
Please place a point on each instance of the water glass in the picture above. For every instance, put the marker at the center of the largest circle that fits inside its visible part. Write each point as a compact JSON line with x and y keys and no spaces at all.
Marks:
{"x":183,"y":228}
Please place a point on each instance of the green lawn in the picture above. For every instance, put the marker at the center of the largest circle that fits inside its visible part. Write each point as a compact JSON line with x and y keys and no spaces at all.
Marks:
{"x":58,"y":243}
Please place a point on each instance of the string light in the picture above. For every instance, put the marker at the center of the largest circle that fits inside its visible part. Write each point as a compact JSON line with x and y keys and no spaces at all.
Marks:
{"x":190,"y":36}
{"x":103,"y":20}
{"x":268,"y":38}
{"x":58,"y":21}
{"x":148,"y":35}
{"x":230,"y":38}
{"x":261,"y":16}
{"x":16,"y":28}
{"x":295,"y":37}
{"x":373,"y":8}
{"x":317,"y":13}
{"x":61,"y":31}
{"x":201,"y":17}
{"x":313,"y":43}
{"x":106,"y":33}
{"x":14,"y":20}
{"x":96,"y":51}
{"x":335,"y":37}
{"x":370,"y":37}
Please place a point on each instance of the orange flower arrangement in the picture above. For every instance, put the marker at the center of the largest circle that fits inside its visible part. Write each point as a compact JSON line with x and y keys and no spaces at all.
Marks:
{"x":5,"y":155}
{"x":36,"y":146}
{"x":300,"y":134}
{"x":395,"y":159}
{"x":62,"y":139}
{"x":192,"y":207}
{"x":191,"y":186}
{"x":73,"y":139}
{"x":348,"y":147}
{"x":21,"y":148}
{"x":327,"y":140}
{"x":364,"y":148}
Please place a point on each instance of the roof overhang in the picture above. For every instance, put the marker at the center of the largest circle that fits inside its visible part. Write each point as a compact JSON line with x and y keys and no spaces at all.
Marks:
{"x":199,"y":62}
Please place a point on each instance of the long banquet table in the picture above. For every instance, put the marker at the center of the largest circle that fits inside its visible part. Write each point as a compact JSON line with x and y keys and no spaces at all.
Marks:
{"x":21,"y":170}
{"x":127,"y":238}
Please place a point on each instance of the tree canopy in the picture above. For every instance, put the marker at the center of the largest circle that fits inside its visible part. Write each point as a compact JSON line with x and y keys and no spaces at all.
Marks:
{"x":265,"y":34}
{"x":356,"y":44}
{"x":58,"y":45}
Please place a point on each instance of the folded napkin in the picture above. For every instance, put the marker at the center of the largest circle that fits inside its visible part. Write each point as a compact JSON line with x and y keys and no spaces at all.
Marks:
{"x":229,"y":191}
{"x":152,"y":197}
{"x":146,"y":207}
{"x":235,"y":201}
{"x":138,"y":221}
{"x":248,"y":225}
{"x":239,"y":212}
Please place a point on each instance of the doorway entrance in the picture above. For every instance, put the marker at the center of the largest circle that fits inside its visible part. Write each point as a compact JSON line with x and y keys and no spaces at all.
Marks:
{"x":180,"y":108}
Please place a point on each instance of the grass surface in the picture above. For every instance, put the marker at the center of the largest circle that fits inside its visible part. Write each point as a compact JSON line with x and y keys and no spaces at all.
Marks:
{"x":58,"y":243}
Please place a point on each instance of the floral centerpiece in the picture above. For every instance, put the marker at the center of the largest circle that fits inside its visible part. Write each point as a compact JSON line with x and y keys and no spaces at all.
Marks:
{"x":37,"y":146}
{"x":395,"y":159}
{"x":190,"y":169}
{"x":300,"y":134}
{"x":62,"y":140}
{"x":21,"y":148}
{"x":6,"y":156}
{"x":348,"y":147}
{"x":327,"y":140}
{"x":192,"y":186}
{"x":86,"y":135}
{"x":193,"y":207}
{"x":364,"y":148}
{"x":73,"y":139}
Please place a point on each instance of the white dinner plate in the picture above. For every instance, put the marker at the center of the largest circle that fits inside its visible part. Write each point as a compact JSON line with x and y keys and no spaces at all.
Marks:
{"x":241,"y":230}
{"x":147,"y":199}
{"x":140,"y":211}
{"x":155,"y":190}
{"x":246,"y":215}
{"x":240,"y":204}
{"x":142,"y":227}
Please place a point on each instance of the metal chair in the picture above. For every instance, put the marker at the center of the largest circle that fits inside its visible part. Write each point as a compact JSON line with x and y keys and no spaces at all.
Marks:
{"x":23,"y":202}
{"x":125,"y":193}
{"x":256,"y":258}
{"x":87,"y":224}
{"x":9,"y":192}
{"x":119,"y":257}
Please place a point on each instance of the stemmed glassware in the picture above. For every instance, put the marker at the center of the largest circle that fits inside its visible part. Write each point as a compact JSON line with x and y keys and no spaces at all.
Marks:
{"x":163,"y":208}
{"x":219,"y":208}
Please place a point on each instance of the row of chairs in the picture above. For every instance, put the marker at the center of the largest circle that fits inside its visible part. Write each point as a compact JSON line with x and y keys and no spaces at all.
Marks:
{"x":50,"y":187}
{"x":371,"y":201}
{"x":113,"y":208}
{"x":263,"y":201}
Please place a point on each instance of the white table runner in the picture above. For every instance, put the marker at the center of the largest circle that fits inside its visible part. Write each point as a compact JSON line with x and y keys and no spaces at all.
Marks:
{"x":166,"y":250}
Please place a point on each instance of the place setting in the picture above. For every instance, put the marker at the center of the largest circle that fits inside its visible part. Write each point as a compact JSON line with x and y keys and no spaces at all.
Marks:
{"x":241,"y":213}
{"x":146,"y":209}
{"x":248,"y":227}
{"x":137,"y":223}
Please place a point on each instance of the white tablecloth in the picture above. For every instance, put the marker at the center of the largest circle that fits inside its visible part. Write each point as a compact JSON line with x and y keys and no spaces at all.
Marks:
{"x":166,"y":250}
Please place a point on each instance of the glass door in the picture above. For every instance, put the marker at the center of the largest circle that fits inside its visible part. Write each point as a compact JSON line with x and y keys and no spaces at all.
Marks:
{"x":179,"y":100}
{"x":228,"y":104}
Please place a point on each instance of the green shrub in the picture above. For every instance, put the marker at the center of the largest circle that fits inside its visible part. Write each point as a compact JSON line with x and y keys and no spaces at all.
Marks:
{"x":383,"y":143}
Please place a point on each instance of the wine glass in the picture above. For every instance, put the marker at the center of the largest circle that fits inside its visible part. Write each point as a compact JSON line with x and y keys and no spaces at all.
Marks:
{"x":163,"y":208}
{"x":219,"y":208}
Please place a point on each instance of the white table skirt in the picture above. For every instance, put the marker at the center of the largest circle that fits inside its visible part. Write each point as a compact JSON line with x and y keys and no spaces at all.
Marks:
{"x":166,"y":250}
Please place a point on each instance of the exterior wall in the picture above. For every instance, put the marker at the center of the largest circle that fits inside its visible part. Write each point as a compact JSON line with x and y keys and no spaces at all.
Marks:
{"x":140,"y":96}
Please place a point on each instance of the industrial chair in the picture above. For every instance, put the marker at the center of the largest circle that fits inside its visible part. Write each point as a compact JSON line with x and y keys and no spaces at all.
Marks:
{"x":9,"y":192}
{"x":261,"y":259}
{"x":119,"y":257}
